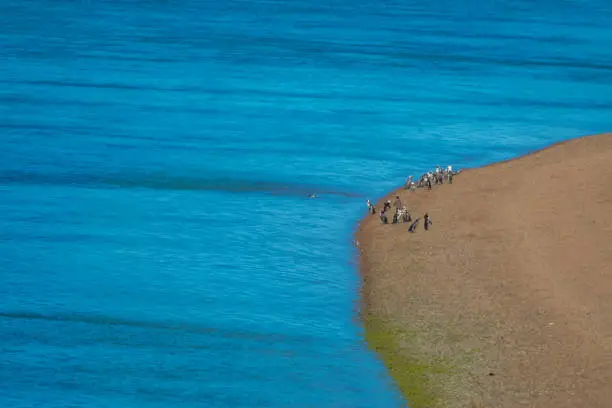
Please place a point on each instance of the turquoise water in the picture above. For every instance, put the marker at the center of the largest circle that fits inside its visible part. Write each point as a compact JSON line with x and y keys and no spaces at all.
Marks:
{"x":157,"y":245}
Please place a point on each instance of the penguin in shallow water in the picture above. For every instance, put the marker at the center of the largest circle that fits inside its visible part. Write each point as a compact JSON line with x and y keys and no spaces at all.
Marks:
{"x":312,"y":195}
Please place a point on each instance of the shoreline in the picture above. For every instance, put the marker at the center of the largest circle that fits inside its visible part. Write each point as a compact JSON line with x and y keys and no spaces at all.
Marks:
{"x":454,"y":312}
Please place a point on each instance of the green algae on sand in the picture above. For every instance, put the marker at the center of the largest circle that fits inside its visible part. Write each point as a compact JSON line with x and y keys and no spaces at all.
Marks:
{"x":414,"y":375}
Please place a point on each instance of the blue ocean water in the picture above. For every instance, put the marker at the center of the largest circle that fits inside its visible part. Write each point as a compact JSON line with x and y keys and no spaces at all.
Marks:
{"x":157,"y":246}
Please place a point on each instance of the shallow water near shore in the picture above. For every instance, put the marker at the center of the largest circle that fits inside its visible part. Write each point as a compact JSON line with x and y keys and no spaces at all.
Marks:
{"x":157,"y":243}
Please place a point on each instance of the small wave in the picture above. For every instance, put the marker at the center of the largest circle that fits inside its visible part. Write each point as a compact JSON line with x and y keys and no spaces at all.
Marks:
{"x":154,"y":325}
{"x":164,"y":182}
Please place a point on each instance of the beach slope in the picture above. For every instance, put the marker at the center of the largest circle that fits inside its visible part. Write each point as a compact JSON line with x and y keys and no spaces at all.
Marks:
{"x":507,"y":300}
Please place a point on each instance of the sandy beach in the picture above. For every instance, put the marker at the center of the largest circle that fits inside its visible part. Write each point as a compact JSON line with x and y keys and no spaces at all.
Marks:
{"x":507,"y":300}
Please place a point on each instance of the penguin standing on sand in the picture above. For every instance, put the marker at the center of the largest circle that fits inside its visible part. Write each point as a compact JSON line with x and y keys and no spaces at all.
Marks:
{"x":383,"y":218}
{"x":413,"y":226}
{"x":426,"y":222}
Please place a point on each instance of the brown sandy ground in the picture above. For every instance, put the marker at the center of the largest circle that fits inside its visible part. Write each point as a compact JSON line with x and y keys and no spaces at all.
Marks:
{"x":511,"y":288}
